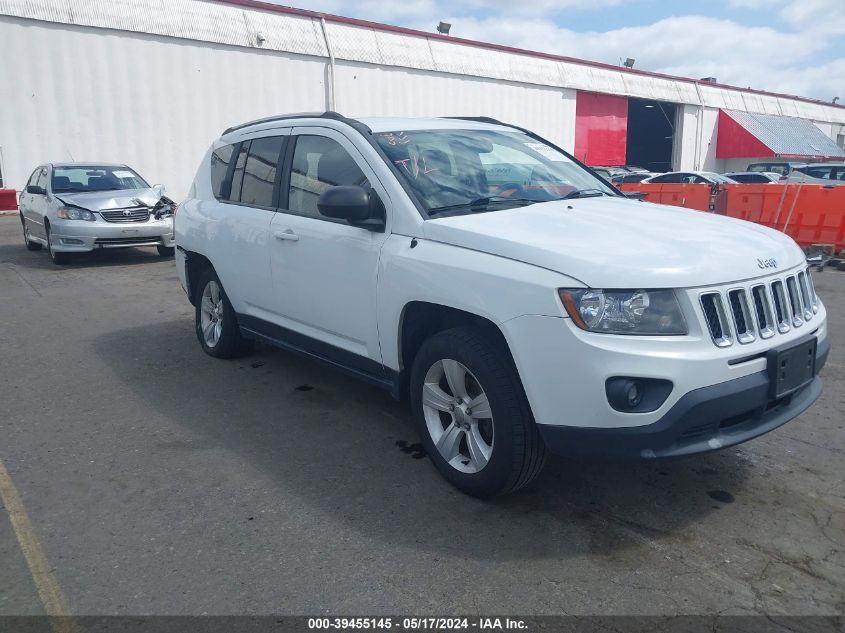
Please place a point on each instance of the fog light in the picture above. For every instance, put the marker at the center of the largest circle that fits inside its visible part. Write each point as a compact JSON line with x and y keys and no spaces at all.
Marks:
{"x":637,"y":395}
{"x":634,"y":394}
{"x":70,"y":240}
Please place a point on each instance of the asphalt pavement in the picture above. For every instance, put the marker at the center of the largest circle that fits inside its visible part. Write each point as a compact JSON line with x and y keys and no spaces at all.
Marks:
{"x":158,"y":480}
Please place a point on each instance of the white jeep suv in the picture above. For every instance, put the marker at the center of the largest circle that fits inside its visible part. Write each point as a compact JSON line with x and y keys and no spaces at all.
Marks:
{"x":519,"y":301}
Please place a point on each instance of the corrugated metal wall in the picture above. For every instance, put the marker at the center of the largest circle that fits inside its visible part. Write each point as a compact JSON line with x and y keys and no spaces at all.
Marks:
{"x":363,"y":89}
{"x":223,"y":23}
{"x":156,"y":103}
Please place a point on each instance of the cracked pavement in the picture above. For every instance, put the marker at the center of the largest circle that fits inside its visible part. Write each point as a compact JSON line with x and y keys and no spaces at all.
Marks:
{"x":162,"y":481}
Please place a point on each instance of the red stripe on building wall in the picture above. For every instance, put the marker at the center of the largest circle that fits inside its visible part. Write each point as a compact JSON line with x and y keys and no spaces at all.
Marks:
{"x":601,"y":128}
{"x":734,"y":141}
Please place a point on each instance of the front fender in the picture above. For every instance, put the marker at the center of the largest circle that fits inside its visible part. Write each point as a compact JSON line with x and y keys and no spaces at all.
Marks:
{"x":489,"y":286}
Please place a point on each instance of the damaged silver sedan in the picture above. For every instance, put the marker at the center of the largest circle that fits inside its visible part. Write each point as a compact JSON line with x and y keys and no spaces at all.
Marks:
{"x":76,"y":208}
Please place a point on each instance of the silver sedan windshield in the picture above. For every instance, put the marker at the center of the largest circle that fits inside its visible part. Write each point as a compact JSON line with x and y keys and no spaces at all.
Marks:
{"x":86,"y":178}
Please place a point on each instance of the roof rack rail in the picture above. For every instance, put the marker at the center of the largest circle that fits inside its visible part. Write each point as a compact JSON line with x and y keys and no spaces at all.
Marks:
{"x":328,"y":114}
{"x":479,"y":119}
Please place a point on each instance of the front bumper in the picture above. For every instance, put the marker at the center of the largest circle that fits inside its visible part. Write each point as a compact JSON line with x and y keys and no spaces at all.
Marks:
{"x":702,"y":420}
{"x":77,"y":236}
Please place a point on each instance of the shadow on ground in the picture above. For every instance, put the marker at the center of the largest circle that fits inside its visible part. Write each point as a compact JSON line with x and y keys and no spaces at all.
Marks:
{"x":339,"y":444}
{"x":18,"y":255}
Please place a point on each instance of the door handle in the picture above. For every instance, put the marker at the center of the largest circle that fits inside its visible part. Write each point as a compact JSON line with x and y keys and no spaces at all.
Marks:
{"x":287,"y":234}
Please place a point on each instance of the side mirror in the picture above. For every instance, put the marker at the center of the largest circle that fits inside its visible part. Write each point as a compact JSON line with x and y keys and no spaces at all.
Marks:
{"x":353,"y":204}
{"x":36,"y":190}
{"x":159,"y":189}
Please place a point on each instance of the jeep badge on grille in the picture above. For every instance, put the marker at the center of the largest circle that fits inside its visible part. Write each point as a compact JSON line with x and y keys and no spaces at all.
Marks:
{"x":767,"y":263}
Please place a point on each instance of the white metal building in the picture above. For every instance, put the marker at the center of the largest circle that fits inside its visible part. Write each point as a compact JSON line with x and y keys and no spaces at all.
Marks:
{"x":150,"y":83}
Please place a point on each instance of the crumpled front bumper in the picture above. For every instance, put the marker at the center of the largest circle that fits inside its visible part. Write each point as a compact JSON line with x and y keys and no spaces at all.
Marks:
{"x":79,"y":236}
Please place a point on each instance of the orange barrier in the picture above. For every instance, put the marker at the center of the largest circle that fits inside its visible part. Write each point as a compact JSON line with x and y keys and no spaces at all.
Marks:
{"x":8,"y":200}
{"x":688,"y":196}
{"x":809,"y":214}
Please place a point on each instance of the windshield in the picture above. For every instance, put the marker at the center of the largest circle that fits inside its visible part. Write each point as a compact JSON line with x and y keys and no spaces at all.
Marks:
{"x":464,"y":171}
{"x":95,"y":178}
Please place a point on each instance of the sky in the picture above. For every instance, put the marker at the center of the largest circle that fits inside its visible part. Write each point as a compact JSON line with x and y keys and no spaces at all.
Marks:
{"x":789,"y":46}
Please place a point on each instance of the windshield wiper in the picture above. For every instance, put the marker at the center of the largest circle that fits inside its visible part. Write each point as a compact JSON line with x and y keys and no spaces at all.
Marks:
{"x":482,"y":204}
{"x":584,"y":193}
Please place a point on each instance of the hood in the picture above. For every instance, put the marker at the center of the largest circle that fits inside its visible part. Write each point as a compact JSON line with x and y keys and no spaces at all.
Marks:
{"x":104,"y":200}
{"x":619,"y":243}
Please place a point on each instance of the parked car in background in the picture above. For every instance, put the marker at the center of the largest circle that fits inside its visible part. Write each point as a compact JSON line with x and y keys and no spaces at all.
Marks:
{"x":632,"y":177}
{"x":784,"y":168}
{"x":79,"y":207}
{"x":559,"y":316}
{"x":819,"y":173}
{"x":609,"y":173}
{"x":754,"y":177}
{"x":691,"y":178}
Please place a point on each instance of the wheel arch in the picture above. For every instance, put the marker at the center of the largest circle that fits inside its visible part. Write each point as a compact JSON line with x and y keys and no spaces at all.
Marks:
{"x":422,"y":319}
{"x":195,"y":264}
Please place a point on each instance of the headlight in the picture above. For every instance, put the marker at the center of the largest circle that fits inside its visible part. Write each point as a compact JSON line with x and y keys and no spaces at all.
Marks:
{"x":654,"y":312}
{"x":75,"y":213}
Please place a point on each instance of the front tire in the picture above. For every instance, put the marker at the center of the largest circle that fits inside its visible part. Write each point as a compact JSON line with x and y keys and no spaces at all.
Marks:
{"x":472,"y":414}
{"x":59,"y":259}
{"x":166,"y":251}
{"x":216,"y":323}
{"x":30,"y":245}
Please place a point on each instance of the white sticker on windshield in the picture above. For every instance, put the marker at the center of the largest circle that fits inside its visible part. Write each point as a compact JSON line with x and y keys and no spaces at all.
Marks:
{"x":118,"y":173}
{"x":548,"y":152}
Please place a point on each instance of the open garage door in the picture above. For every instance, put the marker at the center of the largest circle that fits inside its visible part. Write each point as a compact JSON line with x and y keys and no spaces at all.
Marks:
{"x":651,"y":132}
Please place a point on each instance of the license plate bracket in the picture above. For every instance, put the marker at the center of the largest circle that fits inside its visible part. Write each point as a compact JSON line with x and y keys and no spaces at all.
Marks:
{"x":790,"y":368}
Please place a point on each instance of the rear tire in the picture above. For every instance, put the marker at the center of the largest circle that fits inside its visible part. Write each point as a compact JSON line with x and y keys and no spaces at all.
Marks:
{"x":216,"y":323}
{"x":30,"y":245}
{"x":59,"y":259}
{"x":166,"y":251}
{"x":491,"y":450}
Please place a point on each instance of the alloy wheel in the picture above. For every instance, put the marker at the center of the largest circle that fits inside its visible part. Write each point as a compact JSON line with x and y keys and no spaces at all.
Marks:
{"x":458,"y":416}
{"x":211,"y":313}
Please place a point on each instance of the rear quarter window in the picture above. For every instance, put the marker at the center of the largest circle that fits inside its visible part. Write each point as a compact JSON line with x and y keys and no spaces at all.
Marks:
{"x":221,"y":158}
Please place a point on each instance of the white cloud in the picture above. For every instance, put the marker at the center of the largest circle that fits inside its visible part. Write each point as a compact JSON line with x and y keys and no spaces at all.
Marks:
{"x":815,"y":16}
{"x":690,"y":46}
{"x":531,"y":7}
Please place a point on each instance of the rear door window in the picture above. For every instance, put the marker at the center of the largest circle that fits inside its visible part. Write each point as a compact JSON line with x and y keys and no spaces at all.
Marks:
{"x":260,"y":169}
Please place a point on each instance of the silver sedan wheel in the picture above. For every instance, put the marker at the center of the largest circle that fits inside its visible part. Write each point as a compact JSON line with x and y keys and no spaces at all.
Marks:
{"x":211,"y":313}
{"x":458,"y":416}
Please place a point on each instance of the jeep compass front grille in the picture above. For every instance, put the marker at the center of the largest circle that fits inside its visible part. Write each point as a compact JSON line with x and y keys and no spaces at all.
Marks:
{"x":761,"y":310}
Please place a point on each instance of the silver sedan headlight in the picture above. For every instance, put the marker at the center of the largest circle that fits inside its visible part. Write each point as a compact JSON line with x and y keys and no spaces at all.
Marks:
{"x":645,"y":312}
{"x":75,"y":213}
